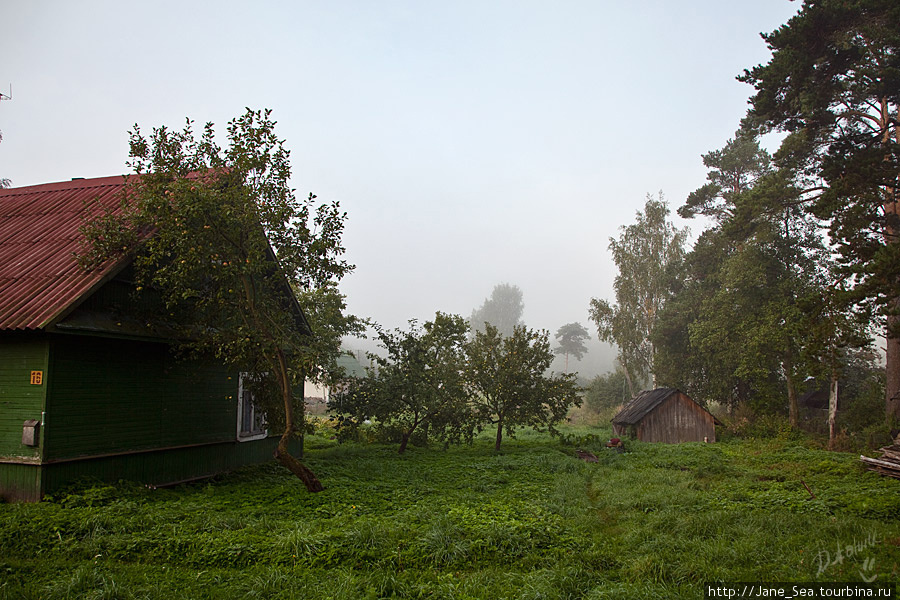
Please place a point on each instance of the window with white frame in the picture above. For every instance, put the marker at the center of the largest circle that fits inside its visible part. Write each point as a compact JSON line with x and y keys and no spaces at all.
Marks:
{"x":251,"y":421}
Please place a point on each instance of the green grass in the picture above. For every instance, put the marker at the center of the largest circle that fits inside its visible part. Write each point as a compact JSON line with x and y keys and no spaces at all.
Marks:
{"x":530,"y":522}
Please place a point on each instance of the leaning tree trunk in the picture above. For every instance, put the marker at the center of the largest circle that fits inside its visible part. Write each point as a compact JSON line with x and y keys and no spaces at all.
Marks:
{"x":282,"y":454}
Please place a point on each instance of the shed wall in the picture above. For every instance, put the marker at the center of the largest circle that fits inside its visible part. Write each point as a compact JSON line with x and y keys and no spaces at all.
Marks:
{"x":677,"y":419}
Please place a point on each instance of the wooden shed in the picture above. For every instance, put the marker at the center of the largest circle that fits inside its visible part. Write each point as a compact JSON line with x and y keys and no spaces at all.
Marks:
{"x":89,"y":385}
{"x":665,"y":415}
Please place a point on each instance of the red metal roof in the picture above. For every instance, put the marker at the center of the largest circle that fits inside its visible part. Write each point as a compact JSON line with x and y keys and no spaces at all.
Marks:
{"x":39,"y":276}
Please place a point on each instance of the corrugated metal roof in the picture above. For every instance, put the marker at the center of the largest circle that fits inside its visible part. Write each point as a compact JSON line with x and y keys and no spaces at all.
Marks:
{"x":641,"y":405}
{"x":39,"y":276}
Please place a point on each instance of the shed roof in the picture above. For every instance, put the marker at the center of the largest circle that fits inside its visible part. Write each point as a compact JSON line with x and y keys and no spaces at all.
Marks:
{"x":40,"y":279}
{"x":641,"y":405}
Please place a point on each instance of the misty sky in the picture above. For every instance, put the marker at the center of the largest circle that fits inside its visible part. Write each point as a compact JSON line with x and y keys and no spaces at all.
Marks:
{"x":471,"y":142}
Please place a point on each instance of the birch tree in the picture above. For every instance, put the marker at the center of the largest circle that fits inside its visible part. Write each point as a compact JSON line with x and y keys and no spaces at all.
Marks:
{"x":646,"y":253}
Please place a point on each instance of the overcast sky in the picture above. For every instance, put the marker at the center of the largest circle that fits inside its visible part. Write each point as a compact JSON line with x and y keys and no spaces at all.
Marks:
{"x":471,"y":142}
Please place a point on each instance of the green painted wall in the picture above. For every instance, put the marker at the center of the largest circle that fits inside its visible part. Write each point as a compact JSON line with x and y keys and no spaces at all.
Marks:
{"x":19,"y":398}
{"x":108,"y":396}
{"x":20,"y":354}
{"x":114,"y":408}
{"x":161,"y":467}
{"x":20,"y":482}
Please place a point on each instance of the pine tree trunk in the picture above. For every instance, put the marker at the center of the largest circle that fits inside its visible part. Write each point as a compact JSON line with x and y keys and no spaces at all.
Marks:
{"x":282,"y":454}
{"x":892,"y":372}
{"x":892,"y":351}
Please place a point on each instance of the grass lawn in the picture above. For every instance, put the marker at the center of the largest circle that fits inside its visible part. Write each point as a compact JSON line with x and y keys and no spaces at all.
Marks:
{"x":529,"y":522}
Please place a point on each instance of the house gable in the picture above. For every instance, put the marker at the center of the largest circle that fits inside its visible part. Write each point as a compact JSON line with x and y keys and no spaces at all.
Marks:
{"x":40,"y":279}
{"x":114,"y":402}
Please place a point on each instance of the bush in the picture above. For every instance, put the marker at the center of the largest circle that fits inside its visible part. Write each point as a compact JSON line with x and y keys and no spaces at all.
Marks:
{"x":864,"y":410}
{"x":606,"y":393}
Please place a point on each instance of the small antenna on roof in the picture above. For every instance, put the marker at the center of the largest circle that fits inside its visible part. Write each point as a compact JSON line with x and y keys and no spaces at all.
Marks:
{"x":5,"y":96}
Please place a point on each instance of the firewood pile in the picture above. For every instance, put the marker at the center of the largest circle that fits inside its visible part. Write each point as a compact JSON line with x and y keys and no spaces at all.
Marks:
{"x":888,"y":464}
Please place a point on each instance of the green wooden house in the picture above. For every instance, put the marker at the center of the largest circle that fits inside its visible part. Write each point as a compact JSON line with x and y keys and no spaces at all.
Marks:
{"x":89,"y":387}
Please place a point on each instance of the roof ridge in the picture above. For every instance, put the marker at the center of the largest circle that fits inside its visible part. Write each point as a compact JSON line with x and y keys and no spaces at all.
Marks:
{"x":72,"y":184}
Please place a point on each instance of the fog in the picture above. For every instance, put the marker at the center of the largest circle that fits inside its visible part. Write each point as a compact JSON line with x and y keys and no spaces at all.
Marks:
{"x":471,"y":143}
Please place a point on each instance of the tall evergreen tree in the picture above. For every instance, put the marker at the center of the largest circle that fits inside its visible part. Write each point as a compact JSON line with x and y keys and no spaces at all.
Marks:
{"x":833,"y":84}
{"x":749,"y":320}
{"x":570,"y":339}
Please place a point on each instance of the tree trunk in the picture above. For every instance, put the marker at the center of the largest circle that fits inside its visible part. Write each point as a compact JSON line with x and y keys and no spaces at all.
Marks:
{"x":404,"y":441}
{"x":282,"y":454}
{"x":295,"y":466}
{"x":793,"y":404}
{"x":832,"y":407}
{"x":892,"y":372}
{"x":499,"y":433}
{"x":892,"y":341}
{"x":628,"y":380}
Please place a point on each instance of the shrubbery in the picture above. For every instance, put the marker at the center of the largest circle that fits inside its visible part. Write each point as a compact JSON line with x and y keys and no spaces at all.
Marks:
{"x":436,"y":384}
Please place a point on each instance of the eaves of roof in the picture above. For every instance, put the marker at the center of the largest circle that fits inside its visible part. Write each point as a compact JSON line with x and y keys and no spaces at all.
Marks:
{"x":40,"y":279}
{"x":642,"y":405}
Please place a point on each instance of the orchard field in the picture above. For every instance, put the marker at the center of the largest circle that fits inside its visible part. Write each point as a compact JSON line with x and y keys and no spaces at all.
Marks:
{"x":532,"y":521}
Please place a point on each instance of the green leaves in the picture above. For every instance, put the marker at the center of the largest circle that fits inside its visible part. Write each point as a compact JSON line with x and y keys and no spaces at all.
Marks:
{"x":647,"y":254}
{"x":832,"y":84}
{"x":433,"y":378}
{"x":509,"y":384}
{"x":220,"y":235}
{"x":419,"y":384}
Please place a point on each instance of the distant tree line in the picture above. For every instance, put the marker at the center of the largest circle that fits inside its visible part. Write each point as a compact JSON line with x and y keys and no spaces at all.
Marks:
{"x":800,"y":268}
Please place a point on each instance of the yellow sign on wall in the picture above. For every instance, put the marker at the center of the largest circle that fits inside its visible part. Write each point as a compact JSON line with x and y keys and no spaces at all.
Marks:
{"x":37,"y":377}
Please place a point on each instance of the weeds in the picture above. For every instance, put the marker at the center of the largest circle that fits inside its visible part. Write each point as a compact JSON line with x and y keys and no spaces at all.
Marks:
{"x":530,"y":522}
